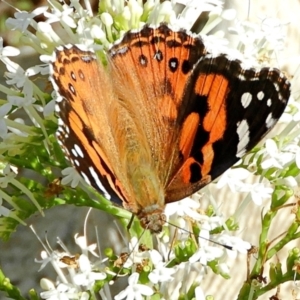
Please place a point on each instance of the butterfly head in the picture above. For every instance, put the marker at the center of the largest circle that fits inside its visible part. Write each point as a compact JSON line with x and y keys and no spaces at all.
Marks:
{"x":152,"y":220}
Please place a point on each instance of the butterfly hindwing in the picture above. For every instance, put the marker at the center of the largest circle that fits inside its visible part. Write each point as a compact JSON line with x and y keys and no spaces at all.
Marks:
{"x":235,"y":108}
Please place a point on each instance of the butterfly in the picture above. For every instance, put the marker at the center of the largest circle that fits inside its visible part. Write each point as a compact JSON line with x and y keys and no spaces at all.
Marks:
{"x":162,"y":119}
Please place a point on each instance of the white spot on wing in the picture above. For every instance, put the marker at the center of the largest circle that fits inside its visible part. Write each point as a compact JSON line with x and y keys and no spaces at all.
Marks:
{"x":270,"y":121}
{"x":85,"y":178}
{"x":57,"y":108}
{"x":59,"y":98}
{"x":173,"y":64}
{"x":158,"y":56}
{"x":61,"y":122}
{"x":242,"y":77}
{"x":260,"y":95}
{"x":246,"y":99}
{"x":78,"y":150}
{"x":99,"y":184}
{"x":243,"y":133}
{"x":67,"y":129}
{"x":74,"y":152}
{"x":71,"y":87}
{"x":62,"y":129}
{"x":143,"y":61}
{"x":122,"y":50}
{"x":86,"y":58}
{"x":73,"y":76}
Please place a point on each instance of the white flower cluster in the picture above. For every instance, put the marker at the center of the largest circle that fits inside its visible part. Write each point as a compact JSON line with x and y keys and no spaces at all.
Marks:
{"x":80,"y":276}
{"x":162,"y":278}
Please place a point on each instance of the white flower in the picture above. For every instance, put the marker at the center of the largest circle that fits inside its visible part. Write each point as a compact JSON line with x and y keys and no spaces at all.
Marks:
{"x":234,"y":179}
{"x":38,"y":69}
{"x":276,"y":158}
{"x":23,"y":19}
{"x":162,"y":12}
{"x":194,"y":275}
{"x":205,"y":253}
{"x":61,"y":292}
{"x":177,"y":214}
{"x":273,"y":32}
{"x":135,"y":290}
{"x":73,"y":278}
{"x":289,"y":181}
{"x":7,"y":51}
{"x":194,"y":8}
{"x":46,"y":259}
{"x":164,"y":247}
{"x":223,"y":268}
{"x":259,"y":192}
{"x":184,"y":208}
{"x":82,"y":243}
{"x":135,"y":256}
{"x":186,"y":275}
{"x":296,"y":150}
{"x":86,"y":277}
{"x":71,"y":177}
{"x":160,"y":273}
{"x":20,"y":101}
{"x":62,"y":14}
{"x":8,"y":176}
{"x":210,"y":223}
{"x":236,"y":243}
{"x":199,"y":293}
{"x":49,"y":108}
{"x":171,"y":290}
{"x":296,"y":106}
{"x":3,"y":210}
{"x":266,"y":37}
{"x":16,"y":75}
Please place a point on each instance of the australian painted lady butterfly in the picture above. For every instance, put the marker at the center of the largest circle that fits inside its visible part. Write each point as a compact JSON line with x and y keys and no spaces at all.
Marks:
{"x":163,"y":119}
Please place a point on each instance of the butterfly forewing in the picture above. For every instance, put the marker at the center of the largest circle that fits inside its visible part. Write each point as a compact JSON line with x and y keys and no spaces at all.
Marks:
{"x":162,"y":61}
{"x":82,"y":111}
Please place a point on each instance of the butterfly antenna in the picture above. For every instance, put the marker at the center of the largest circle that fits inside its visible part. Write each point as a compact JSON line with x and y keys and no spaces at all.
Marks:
{"x":204,"y":238}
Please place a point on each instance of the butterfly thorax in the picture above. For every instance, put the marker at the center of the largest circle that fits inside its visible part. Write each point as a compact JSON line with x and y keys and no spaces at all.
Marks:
{"x":152,"y":218}
{"x":146,"y":196}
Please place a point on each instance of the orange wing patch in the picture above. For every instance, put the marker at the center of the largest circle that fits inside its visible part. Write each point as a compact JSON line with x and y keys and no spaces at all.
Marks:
{"x":188,"y":134}
{"x":194,"y":173}
{"x":215,"y":87}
